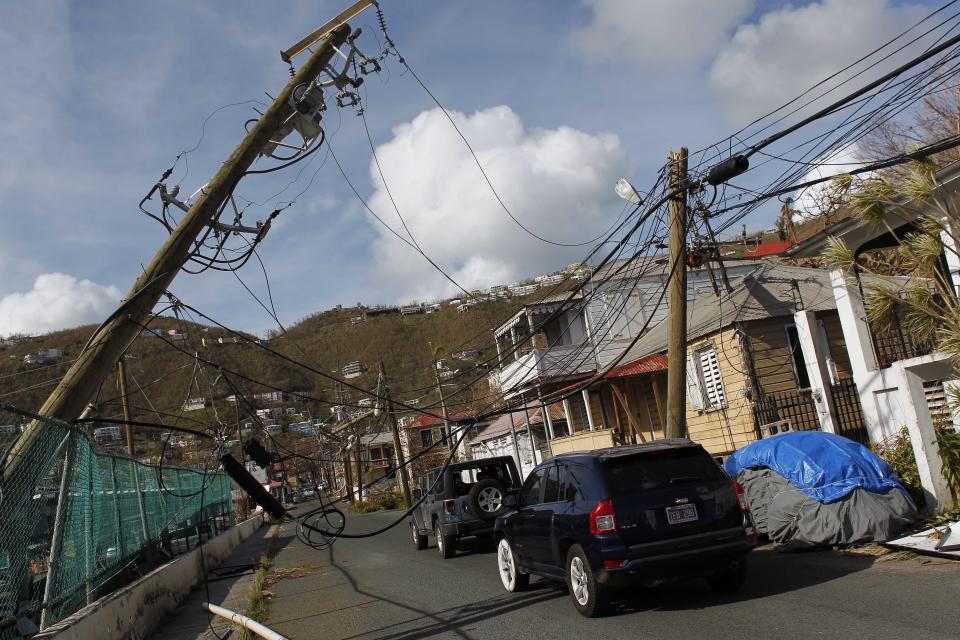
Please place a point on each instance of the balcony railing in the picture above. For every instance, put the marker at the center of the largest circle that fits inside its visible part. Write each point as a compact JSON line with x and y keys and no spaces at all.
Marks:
{"x":896,"y":343}
{"x":544,"y":363}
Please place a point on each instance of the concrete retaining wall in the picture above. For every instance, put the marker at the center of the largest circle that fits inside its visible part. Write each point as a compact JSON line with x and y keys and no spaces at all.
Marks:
{"x":133,"y":611}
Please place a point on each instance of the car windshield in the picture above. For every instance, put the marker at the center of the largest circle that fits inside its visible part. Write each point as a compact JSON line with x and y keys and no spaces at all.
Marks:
{"x":659,"y":470}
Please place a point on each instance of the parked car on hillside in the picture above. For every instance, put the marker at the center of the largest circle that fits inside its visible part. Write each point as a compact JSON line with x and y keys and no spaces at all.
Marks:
{"x":462,"y":500}
{"x":613,"y":517}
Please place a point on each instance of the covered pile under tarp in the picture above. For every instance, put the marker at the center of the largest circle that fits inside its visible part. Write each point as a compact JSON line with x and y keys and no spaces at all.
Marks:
{"x":809,"y":488}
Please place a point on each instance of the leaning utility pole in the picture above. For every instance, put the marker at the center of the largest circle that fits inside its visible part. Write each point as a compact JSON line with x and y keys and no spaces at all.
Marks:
{"x":676,"y":426}
{"x":125,"y":403}
{"x":80,"y":383}
{"x":395,"y":429}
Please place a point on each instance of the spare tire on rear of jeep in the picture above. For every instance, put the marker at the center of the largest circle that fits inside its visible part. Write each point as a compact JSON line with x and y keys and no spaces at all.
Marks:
{"x":485,"y":499}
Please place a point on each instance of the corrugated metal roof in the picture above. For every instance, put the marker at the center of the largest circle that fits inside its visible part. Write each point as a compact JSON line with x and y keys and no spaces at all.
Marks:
{"x":649,"y":364}
{"x":770,"y":291}
{"x":768,"y":249}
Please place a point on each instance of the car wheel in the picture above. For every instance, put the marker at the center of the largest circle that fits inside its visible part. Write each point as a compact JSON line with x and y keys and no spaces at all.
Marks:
{"x":486,"y":499}
{"x":589,"y":597}
{"x":419,"y":540}
{"x":446,"y":545}
{"x":731,"y":578}
{"x":511,"y":576}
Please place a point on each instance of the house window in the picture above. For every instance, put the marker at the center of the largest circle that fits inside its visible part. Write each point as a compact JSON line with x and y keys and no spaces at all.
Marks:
{"x":796,"y":357}
{"x":426,"y":437}
{"x":704,"y":382}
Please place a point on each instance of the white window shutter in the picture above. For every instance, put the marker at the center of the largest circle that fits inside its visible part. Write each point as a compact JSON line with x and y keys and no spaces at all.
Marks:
{"x":694,"y":390}
{"x":712,"y":379}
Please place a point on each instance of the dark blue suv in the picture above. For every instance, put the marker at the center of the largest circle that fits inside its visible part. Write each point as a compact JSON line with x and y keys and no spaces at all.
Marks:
{"x":639,"y":514}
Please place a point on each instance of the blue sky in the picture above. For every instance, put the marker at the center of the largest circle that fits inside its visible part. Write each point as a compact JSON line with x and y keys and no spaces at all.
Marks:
{"x":560,"y":98}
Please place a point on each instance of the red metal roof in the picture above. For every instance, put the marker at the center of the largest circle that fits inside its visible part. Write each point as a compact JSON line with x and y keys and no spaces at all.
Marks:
{"x":649,"y":364}
{"x":768,"y":249}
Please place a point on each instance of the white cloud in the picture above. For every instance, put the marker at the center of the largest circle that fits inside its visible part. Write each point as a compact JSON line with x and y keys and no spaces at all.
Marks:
{"x":771,"y":61}
{"x":810,"y":202}
{"x":658,"y":33}
{"x":557,"y":182}
{"x":56,"y":301}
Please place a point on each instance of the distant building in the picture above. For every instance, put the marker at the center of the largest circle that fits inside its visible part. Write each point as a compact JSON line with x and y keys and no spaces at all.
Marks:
{"x":107,"y":434}
{"x":523,"y":289}
{"x":354,"y":369}
{"x":43,"y":356}
{"x":270,"y":396}
{"x":411,"y":310}
{"x":194,"y":404}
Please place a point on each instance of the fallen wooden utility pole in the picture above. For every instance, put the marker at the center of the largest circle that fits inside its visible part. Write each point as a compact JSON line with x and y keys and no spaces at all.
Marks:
{"x":676,"y":426}
{"x":81,"y":382}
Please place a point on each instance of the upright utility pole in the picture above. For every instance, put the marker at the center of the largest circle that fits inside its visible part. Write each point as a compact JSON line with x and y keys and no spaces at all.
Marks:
{"x":395,"y":429}
{"x":676,"y":426}
{"x":443,"y":404}
{"x":125,"y":403}
{"x":80,"y":384}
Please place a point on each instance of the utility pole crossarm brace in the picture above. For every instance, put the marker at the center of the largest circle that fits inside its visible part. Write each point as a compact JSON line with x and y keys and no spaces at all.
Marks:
{"x":347,"y":14}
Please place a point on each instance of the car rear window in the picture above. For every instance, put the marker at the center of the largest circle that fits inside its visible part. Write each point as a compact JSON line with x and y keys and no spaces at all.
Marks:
{"x":660,"y":470}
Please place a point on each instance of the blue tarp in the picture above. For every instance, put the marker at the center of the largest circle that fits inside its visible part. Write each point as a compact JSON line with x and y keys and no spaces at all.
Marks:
{"x":824,"y":466}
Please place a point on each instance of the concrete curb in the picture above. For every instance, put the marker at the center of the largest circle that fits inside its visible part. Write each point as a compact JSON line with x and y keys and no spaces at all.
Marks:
{"x":133,"y":611}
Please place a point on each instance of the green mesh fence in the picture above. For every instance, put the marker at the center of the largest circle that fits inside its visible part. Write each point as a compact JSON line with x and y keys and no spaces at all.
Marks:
{"x":75,"y":525}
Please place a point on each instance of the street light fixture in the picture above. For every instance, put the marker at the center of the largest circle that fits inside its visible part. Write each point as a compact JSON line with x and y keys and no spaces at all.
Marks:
{"x":625,"y":190}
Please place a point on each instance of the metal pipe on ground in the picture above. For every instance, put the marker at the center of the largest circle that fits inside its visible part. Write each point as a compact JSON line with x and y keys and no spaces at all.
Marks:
{"x":248,"y":623}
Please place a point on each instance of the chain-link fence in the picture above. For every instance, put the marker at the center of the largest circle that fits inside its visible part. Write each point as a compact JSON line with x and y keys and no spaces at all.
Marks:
{"x":75,"y":524}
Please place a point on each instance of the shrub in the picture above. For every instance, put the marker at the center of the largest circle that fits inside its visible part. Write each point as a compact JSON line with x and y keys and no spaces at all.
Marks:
{"x":897,"y":451}
{"x":380,"y":501}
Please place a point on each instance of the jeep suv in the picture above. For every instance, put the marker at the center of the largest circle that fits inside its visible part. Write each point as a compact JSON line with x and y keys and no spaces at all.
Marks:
{"x":465,"y":501}
{"x":613,"y":517}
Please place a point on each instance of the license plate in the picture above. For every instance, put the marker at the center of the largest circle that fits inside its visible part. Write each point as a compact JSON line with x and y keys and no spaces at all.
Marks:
{"x":682,"y":513}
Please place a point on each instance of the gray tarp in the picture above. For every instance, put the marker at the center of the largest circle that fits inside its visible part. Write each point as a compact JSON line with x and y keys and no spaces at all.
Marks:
{"x":790,"y":517}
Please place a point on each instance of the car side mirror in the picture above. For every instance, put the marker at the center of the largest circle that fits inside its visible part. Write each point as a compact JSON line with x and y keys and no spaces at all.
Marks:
{"x":417,"y":494}
{"x":510,"y":500}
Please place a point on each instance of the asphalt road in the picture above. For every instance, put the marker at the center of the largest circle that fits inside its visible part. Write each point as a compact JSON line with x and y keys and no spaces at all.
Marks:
{"x":382,"y":587}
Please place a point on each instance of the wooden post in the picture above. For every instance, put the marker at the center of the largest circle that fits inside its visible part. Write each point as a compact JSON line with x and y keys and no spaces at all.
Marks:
{"x":516,"y":445}
{"x":125,"y":403}
{"x":80,"y":384}
{"x":244,"y":505}
{"x":347,"y":475}
{"x":395,"y":429}
{"x":676,"y":426}
{"x":359,"y":460}
{"x":443,"y":403}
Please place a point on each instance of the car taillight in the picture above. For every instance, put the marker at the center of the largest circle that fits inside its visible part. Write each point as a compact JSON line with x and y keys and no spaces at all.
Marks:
{"x":741,"y":497}
{"x":449,"y":506}
{"x":602,"y":518}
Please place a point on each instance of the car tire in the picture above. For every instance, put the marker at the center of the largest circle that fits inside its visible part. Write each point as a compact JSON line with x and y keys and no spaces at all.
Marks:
{"x":512,"y":578}
{"x":419,"y":540}
{"x":446,"y":545}
{"x":590,"y":598}
{"x":486,"y":499}
{"x":731,"y":578}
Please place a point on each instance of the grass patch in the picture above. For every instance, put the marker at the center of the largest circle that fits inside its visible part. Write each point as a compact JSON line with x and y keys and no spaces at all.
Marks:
{"x":258,"y":599}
